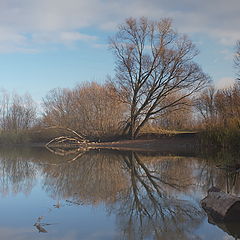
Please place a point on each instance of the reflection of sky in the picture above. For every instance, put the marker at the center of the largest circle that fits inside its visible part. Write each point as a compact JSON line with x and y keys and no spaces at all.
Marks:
{"x":209,"y":231}
{"x":20,"y":212}
{"x":72,"y":222}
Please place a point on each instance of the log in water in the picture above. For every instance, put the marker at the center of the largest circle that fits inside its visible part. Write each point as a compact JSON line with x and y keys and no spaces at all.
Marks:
{"x":221,"y":206}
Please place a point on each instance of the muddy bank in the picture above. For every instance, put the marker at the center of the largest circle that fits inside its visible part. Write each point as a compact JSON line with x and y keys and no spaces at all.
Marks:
{"x":187,"y":143}
{"x":176,"y":143}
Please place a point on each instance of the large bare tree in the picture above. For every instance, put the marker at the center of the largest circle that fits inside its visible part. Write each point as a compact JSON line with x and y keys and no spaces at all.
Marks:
{"x":153,"y":61}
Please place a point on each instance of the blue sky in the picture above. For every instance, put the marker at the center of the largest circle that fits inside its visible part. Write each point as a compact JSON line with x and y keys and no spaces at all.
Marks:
{"x":59,"y":43}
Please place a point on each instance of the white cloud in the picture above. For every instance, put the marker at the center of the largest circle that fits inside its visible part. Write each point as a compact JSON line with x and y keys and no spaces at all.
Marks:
{"x":227,"y":55}
{"x":225,"y":82}
{"x":28,"y":22}
{"x":64,"y":37}
{"x":75,"y":36}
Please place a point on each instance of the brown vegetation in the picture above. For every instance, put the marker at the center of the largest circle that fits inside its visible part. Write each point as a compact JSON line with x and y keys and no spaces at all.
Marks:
{"x":90,"y":108}
{"x":220,"y":111}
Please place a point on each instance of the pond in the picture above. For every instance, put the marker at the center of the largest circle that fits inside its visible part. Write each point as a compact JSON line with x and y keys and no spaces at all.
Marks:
{"x":103,"y":194}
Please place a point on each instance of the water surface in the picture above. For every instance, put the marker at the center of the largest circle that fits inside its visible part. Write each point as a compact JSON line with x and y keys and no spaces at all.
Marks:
{"x":110,"y":195}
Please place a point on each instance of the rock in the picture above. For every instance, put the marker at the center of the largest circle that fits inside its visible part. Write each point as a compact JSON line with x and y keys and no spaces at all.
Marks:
{"x":221,"y":206}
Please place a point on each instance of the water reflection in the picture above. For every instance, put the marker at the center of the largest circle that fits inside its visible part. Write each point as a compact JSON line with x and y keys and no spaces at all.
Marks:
{"x":149,"y":209}
{"x":221,"y":170}
{"x":151,"y":196}
{"x":17,"y":173}
{"x":93,"y":179}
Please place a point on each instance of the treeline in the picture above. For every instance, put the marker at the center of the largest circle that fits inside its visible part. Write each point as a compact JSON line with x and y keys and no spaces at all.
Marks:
{"x":220,"y":114}
{"x":95,"y":111}
{"x":91,"y":109}
{"x":18,"y":115}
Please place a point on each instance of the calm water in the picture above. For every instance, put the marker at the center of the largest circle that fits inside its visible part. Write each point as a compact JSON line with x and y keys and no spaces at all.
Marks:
{"x":109,"y":195}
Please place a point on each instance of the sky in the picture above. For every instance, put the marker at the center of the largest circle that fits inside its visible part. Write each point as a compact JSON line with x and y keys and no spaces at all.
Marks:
{"x":60,"y":43}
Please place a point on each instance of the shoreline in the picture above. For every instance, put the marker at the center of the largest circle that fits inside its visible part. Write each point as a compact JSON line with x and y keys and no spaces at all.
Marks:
{"x":182,"y":143}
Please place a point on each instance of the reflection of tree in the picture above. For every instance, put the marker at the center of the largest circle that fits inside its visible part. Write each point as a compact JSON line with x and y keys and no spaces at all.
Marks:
{"x":221,"y":170}
{"x":137,"y":188}
{"x":20,"y":166}
{"x":17,"y":174}
{"x":148,"y":210}
{"x":95,"y":177}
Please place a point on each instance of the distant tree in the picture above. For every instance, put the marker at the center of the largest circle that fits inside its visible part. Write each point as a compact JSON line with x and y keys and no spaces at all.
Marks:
{"x":175,"y":118}
{"x":153,"y":61}
{"x":17,"y":112}
{"x":57,"y":107}
{"x":227,"y":103}
{"x":237,"y":59}
{"x":220,"y":107}
{"x":206,"y":106}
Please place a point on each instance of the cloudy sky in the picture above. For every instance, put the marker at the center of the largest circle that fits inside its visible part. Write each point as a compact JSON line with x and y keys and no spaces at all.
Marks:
{"x":59,"y":43}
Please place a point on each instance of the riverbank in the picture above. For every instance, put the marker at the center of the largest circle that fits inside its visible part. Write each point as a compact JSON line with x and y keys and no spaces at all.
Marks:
{"x":160,"y":143}
{"x":178,"y":143}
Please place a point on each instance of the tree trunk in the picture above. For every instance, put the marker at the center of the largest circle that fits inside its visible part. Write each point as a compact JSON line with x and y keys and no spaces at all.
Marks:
{"x":221,"y":206}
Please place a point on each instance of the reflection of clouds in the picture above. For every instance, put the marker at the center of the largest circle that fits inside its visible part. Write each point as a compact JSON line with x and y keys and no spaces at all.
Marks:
{"x":30,"y":234}
{"x":102,"y":235}
{"x":15,"y":233}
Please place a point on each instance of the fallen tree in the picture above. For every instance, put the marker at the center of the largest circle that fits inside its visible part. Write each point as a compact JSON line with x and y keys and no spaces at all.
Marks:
{"x":75,"y":138}
{"x":221,"y":206}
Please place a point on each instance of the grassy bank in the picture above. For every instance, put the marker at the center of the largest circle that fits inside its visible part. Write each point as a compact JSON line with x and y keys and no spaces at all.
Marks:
{"x":221,"y":137}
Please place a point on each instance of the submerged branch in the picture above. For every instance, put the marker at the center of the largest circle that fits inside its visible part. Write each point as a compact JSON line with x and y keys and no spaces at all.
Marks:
{"x":77,"y":138}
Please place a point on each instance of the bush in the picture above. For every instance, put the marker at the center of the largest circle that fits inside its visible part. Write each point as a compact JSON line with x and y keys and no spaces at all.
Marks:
{"x":223,"y":137}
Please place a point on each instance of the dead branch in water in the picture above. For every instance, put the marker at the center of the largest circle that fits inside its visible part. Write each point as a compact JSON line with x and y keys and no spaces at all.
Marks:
{"x":80,"y":136}
{"x":63,"y":152}
{"x":77,"y":138}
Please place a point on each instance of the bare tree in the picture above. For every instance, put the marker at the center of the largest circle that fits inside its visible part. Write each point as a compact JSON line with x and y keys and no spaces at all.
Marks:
{"x":178,"y":117}
{"x":220,"y":107}
{"x":227,"y":103}
{"x":57,"y":107}
{"x":16,"y":112}
{"x":89,"y":108}
{"x":205,"y":105}
{"x":237,"y":59}
{"x":152,"y":62}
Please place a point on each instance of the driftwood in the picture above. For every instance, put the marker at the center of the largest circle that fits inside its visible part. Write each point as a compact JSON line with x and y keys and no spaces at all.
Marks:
{"x":221,"y":206}
{"x":76,"y":137}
